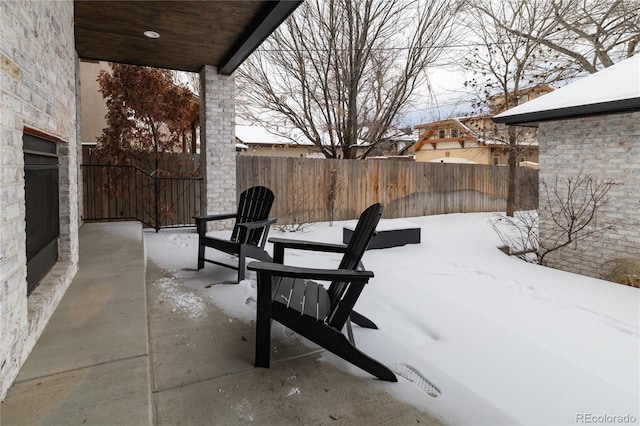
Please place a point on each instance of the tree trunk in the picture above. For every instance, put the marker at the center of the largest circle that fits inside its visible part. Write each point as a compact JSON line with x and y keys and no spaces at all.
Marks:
{"x":511,"y":190}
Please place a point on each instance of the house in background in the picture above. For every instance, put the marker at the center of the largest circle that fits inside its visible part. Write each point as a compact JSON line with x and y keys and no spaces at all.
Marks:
{"x":592,"y":128}
{"x":396,"y":144}
{"x":41,"y":43}
{"x":257,"y":140}
{"x":498,"y":104}
{"x":477,"y":139}
{"x":472,"y":140}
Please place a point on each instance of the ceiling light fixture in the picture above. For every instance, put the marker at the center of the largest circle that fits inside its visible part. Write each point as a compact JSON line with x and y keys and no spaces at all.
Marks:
{"x":152,"y":34}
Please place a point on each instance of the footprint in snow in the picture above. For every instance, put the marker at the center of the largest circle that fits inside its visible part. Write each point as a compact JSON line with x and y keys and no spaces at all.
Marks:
{"x":251,"y":302}
{"x":412,"y":375}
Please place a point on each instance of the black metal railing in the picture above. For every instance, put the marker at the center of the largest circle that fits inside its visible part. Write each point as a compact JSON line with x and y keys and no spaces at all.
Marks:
{"x":120,"y":192}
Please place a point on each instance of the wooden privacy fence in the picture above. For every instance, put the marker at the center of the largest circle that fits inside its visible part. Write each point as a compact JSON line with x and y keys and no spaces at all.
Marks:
{"x":315,"y":190}
{"x":127,"y":193}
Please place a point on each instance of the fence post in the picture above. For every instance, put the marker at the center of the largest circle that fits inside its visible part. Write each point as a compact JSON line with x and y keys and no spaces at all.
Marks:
{"x":157,"y":202}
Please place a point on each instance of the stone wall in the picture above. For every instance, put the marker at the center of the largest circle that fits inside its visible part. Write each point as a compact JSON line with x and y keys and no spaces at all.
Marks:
{"x":217,"y":145}
{"x":38,"y":91}
{"x":602,"y":147}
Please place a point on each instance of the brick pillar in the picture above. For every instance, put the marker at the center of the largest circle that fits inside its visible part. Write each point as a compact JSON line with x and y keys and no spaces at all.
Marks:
{"x":217,"y":144}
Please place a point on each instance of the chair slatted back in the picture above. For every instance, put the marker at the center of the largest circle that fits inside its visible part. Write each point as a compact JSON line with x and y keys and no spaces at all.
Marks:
{"x":342,"y":295}
{"x":254,"y":205}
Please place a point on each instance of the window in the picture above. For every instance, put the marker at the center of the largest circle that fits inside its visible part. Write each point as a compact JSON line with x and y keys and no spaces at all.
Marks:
{"x":442,"y":134}
{"x":496,"y":161}
{"x":454,"y":132}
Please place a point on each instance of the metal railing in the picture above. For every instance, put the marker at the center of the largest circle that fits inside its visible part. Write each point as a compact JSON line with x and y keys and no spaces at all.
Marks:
{"x":121,"y":192}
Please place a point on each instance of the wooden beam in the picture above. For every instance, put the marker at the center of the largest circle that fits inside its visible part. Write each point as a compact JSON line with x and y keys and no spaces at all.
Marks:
{"x":273,"y":14}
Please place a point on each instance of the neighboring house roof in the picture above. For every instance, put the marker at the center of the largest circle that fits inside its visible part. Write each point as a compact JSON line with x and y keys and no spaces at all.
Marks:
{"x":498,"y":102}
{"x":467,"y":133}
{"x":476,"y":134}
{"x":612,"y":90}
{"x":259,"y":135}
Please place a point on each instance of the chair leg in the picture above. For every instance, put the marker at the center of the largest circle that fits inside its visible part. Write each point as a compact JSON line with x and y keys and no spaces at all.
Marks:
{"x":362,"y":321}
{"x":329,"y":338}
{"x":263,"y":322}
{"x":338,"y":343}
{"x":201,"y":249}
{"x":241,"y":264}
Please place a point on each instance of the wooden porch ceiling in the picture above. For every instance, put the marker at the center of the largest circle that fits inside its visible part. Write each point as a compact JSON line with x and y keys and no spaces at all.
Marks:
{"x":192,"y":33}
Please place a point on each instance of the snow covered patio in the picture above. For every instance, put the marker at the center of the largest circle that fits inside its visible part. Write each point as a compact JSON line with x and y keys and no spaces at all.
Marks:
{"x":501,"y":341}
{"x":504,"y":341}
{"x":129,"y":345}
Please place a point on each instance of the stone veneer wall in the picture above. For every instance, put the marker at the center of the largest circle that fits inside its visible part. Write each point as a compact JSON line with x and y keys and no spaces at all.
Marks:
{"x":38,"y":91}
{"x":217,"y":145}
{"x":603,"y":147}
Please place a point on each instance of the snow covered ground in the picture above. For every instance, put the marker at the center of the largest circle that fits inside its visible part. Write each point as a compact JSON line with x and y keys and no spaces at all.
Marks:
{"x":502,"y":340}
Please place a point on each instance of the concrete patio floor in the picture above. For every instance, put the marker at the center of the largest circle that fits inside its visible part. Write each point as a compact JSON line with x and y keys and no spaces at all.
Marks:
{"x":115,"y":353}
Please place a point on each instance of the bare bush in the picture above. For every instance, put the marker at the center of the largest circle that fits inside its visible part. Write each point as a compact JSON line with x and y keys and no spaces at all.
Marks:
{"x":298,"y":215}
{"x":518,"y":233}
{"x":569,"y":211}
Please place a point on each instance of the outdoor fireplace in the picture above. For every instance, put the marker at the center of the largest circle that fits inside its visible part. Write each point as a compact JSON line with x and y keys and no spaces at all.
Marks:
{"x":42,"y":207}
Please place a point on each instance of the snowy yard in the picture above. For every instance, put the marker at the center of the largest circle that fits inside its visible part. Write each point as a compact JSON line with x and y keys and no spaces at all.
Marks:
{"x":503,"y":341}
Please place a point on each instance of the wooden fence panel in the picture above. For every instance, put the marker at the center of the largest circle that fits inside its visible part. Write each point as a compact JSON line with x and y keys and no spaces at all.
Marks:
{"x":315,"y":190}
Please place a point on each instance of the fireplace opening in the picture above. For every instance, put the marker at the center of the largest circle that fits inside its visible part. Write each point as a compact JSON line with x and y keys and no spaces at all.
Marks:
{"x":42,"y":207}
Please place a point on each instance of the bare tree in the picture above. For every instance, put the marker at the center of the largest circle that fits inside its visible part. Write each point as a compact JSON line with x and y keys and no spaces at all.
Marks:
{"x":589,"y":34}
{"x":341,"y":72}
{"x":189,"y":79}
{"x":505,"y":63}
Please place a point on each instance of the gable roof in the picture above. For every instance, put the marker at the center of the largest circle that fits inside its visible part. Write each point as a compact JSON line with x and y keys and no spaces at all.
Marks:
{"x":467,"y":132}
{"x":259,"y":135}
{"x":249,"y":134}
{"x":613,"y":90}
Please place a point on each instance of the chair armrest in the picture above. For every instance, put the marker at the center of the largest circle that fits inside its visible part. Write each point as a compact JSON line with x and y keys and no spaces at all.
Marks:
{"x":279,"y":270}
{"x":215,"y":217}
{"x":279,"y":244}
{"x":201,"y":221}
{"x":308,"y":245}
{"x":258,"y":224}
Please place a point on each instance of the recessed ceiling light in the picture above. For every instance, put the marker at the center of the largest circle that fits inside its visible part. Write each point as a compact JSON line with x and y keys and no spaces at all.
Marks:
{"x":152,"y":34}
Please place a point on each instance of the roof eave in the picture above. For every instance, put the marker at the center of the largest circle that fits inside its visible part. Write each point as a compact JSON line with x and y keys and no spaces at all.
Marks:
{"x":532,"y":119}
{"x":272,"y":16}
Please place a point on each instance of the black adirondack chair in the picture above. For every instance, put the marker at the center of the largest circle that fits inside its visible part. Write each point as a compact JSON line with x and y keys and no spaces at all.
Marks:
{"x":249,"y":233}
{"x":286,"y":294}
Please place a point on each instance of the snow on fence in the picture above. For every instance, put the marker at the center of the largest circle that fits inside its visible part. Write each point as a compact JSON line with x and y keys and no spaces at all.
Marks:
{"x":314,"y":190}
